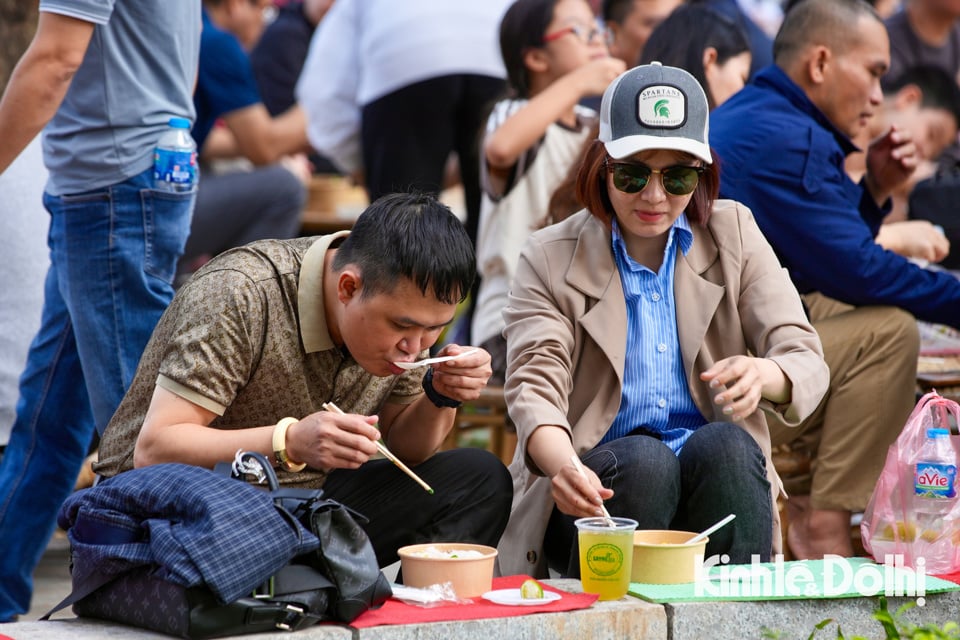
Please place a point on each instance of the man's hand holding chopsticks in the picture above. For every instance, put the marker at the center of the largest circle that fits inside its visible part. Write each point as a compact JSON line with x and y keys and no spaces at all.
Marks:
{"x":326,"y":440}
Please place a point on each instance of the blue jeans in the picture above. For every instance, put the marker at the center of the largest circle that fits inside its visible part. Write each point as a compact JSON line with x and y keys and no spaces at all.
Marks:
{"x":113,"y":256}
{"x":720,"y":470}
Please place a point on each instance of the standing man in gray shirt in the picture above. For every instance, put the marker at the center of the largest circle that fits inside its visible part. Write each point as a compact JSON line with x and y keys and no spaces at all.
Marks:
{"x":101,"y":78}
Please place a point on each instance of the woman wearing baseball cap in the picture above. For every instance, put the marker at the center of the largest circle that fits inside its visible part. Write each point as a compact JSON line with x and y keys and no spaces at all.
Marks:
{"x":643,"y":335}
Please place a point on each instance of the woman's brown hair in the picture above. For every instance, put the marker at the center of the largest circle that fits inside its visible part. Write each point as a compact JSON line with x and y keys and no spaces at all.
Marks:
{"x":591,"y":187}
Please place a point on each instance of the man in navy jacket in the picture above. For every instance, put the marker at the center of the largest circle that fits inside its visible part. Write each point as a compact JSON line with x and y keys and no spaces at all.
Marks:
{"x":782,"y":142}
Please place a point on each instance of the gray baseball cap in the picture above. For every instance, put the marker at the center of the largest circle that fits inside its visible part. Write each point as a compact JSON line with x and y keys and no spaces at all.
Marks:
{"x":655,"y":107}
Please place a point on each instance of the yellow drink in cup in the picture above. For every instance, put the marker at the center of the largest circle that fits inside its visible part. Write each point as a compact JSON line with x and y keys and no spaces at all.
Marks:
{"x":606,"y":555}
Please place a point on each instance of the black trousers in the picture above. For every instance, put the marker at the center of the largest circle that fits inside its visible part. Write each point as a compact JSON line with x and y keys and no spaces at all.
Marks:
{"x":407,"y":136}
{"x":471,"y":500}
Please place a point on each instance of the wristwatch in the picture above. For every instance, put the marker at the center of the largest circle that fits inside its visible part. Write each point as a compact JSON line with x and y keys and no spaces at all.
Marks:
{"x":437,"y":398}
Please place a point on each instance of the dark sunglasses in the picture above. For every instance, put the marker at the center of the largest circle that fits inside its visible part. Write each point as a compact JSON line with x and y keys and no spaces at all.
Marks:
{"x":633,"y":177}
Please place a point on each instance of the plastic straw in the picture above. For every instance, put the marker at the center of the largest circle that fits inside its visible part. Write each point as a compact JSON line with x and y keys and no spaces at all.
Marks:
{"x":700,"y":536}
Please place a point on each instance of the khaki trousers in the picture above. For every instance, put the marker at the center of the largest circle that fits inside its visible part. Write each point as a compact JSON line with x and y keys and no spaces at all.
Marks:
{"x":872,"y":354}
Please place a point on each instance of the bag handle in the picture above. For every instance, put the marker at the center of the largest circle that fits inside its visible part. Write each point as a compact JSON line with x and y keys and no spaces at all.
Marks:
{"x":930,"y":401}
{"x":249,"y":463}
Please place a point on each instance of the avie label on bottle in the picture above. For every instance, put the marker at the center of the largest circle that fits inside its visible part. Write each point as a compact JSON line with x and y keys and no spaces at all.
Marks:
{"x":935,"y":474}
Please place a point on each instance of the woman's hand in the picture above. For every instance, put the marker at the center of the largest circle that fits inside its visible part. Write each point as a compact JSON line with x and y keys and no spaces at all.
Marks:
{"x":737,"y":381}
{"x":577,"y":494}
{"x":741,"y":382}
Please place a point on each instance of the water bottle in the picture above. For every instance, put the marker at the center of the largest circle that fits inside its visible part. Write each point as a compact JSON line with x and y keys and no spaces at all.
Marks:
{"x":935,"y":486}
{"x":175,"y":160}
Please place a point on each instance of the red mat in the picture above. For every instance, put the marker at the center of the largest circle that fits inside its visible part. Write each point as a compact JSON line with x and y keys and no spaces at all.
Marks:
{"x":396,"y":612}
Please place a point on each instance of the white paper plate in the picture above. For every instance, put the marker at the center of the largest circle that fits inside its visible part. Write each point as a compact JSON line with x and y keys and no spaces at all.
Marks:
{"x":512,"y":597}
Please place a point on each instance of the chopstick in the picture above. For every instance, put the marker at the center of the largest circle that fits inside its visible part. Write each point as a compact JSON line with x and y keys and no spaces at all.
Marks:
{"x":575,"y":459}
{"x":329,"y":406}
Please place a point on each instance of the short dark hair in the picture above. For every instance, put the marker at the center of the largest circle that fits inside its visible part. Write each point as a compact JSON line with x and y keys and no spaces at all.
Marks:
{"x":616,"y":10}
{"x":790,"y":4}
{"x":828,"y":22}
{"x":938,"y":88}
{"x":591,"y":188}
{"x":680,"y":40}
{"x":522,"y":28}
{"x":414,"y":236}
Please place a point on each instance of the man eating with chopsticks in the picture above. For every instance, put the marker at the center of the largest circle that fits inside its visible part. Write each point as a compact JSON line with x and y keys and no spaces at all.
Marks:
{"x":263,"y":336}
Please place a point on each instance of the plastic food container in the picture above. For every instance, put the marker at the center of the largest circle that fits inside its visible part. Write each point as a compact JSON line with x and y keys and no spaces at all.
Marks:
{"x":469,"y":567}
{"x":663,"y":557}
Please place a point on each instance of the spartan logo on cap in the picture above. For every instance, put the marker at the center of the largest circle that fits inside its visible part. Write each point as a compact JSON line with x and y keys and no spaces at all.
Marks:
{"x":662,"y":107}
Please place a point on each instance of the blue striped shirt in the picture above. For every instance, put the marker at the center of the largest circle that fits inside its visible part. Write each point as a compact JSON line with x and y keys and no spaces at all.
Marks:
{"x":655,"y":394}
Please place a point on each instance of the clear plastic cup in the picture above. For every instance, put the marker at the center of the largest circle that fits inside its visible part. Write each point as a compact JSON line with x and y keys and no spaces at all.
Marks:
{"x":606,"y":555}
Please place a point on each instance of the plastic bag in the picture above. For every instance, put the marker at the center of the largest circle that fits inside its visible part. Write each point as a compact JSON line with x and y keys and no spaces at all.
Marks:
{"x":435,"y":595}
{"x":890,"y":525}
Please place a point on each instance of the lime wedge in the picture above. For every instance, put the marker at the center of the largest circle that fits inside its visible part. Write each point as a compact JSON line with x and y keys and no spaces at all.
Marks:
{"x":531,"y":590}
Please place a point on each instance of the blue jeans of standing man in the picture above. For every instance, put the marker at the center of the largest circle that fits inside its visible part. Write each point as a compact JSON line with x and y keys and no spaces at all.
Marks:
{"x":113,"y":255}
{"x":720,"y":470}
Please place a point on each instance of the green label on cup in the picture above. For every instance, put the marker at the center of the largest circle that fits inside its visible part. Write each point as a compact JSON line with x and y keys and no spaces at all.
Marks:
{"x":604,"y":559}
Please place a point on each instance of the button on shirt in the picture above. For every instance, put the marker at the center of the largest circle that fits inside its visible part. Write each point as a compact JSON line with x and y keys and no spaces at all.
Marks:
{"x":655,"y":394}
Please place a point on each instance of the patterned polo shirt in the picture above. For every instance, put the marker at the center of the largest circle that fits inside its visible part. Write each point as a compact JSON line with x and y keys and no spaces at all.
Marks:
{"x":247,"y":339}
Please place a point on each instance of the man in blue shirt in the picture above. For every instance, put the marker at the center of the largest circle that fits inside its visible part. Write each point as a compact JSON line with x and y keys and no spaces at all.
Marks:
{"x":238,"y":207}
{"x":782,"y":142}
{"x":278,"y":58}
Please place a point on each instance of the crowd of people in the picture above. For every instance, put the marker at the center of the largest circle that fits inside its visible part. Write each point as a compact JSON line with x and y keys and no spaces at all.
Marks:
{"x":687,"y":242}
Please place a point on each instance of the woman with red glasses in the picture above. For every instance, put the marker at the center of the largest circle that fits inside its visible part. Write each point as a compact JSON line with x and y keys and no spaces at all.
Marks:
{"x":555,"y":55}
{"x":643,"y":335}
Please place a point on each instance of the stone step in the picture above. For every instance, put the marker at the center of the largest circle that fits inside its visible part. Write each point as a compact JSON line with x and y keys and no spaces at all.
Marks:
{"x":626,"y":618}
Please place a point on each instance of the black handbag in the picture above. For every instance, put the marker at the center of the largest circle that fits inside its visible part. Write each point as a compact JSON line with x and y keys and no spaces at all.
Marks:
{"x":345,"y":556}
{"x":337,"y":582}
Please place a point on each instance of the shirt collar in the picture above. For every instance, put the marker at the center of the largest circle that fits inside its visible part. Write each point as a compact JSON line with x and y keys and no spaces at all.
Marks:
{"x":775,"y":77}
{"x":311,"y":311}
{"x":680,"y":229}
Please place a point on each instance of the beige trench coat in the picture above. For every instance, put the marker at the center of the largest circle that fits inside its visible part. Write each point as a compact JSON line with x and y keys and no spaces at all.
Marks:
{"x":566,"y":334}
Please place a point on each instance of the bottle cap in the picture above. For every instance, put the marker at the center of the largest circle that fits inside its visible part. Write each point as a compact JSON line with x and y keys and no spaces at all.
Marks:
{"x":936,"y":433}
{"x":179,"y":123}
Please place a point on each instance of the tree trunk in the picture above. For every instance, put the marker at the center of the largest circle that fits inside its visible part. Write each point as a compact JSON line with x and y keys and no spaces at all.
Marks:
{"x":18,"y":22}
